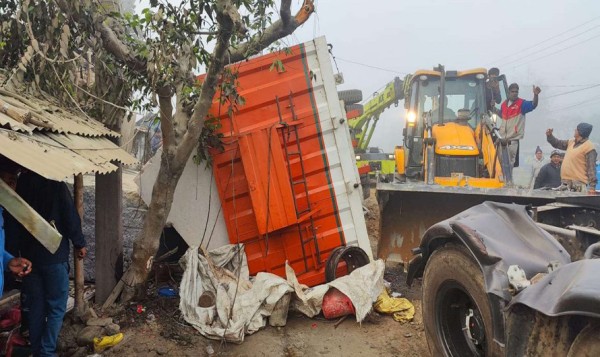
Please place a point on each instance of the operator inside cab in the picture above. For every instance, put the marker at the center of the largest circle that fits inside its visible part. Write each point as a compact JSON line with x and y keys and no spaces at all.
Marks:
{"x":449,"y":114}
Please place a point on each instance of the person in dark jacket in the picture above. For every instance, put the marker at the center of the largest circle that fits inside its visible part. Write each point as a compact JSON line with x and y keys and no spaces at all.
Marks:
{"x":549,"y":175}
{"x":45,"y":291}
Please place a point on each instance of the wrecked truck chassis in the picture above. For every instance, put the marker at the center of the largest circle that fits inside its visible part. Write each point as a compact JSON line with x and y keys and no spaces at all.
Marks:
{"x":559,"y":314}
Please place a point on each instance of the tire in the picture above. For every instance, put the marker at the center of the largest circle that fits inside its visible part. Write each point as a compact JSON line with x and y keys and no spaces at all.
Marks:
{"x":350,"y":96}
{"x":358,"y":107}
{"x":354,"y":257}
{"x":587,"y":342}
{"x":454,"y":293}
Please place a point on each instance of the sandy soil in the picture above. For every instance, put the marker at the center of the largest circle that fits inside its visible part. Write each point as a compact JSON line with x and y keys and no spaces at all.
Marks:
{"x":160,"y":330}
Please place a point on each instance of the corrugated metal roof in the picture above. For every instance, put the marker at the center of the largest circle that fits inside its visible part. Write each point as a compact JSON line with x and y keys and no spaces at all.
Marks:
{"x":39,"y":153}
{"x":99,"y":150}
{"x":5,"y":120}
{"x":61,"y":120}
{"x":74,"y":143}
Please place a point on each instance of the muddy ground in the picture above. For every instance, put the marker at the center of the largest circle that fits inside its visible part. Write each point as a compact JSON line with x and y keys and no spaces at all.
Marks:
{"x":160,"y":330}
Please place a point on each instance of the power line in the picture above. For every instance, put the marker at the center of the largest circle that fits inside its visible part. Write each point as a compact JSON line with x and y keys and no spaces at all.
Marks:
{"x":555,"y":52}
{"x":582,"y":103}
{"x":553,"y":45}
{"x":566,"y":85}
{"x":370,"y":66}
{"x":572,"y":91}
{"x":546,"y":40}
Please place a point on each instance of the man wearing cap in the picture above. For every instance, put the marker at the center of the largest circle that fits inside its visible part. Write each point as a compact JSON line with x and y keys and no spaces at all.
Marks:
{"x":549,"y":175}
{"x":538,"y":162}
{"x":578,"y":169}
{"x":9,"y":173}
{"x":492,"y":88}
{"x":512,"y":111}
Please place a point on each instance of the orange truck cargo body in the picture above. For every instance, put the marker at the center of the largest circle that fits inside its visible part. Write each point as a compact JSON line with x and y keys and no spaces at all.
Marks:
{"x":287,"y":178}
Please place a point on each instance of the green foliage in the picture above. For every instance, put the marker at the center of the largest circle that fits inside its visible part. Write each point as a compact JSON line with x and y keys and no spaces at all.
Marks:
{"x":64,"y":51}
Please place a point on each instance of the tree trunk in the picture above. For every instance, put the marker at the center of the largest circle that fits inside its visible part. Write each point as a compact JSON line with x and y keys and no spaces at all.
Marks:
{"x":146,"y":245}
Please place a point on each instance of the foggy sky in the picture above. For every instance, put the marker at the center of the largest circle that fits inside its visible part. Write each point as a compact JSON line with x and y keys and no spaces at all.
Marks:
{"x":403,"y":36}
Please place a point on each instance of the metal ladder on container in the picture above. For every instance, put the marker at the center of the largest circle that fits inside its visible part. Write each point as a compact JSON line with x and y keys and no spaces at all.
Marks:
{"x":290,"y":133}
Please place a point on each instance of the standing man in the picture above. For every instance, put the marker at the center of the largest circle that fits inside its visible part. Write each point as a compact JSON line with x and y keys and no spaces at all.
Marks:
{"x":538,"y":162}
{"x":512,"y":111}
{"x":46,"y":289}
{"x":492,"y":88}
{"x":9,"y":173}
{"x":549,"y":175}
{"x":578,"y":170}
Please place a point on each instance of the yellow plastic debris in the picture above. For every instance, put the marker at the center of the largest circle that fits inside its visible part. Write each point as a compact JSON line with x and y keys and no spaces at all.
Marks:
{"x":401,"y":309}
{"x":104,"y":342}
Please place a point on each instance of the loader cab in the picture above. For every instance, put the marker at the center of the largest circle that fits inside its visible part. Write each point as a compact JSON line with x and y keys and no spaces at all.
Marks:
{"x":455,"y":92}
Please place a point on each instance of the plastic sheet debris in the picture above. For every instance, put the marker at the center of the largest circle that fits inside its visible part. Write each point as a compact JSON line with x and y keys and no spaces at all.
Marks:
{"x":167,"y":292}
{"x":220,"y":301}
{"x":104,"y":342}
{"x":401,"y":309}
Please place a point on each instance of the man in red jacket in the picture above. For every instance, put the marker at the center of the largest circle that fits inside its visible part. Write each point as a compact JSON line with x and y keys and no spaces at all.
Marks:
{"x":512,"y":111}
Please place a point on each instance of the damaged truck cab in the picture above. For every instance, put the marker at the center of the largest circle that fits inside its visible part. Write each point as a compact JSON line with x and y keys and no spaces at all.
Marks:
{"x":507,"y":280}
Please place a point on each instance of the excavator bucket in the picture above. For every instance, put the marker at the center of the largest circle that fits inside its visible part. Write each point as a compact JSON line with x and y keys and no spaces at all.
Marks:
{"x":408,"y":209}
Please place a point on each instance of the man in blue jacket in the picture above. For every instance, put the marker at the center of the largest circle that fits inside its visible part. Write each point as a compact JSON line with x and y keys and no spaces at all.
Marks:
{"x":9,"y":173}
{"x":46,"y":289}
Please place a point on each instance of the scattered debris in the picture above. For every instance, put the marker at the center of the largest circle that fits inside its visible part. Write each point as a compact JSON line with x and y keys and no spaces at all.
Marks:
{"x":335,"y":325}
{"x":104,"y":342}
{"x":218,"y":299}
{"x":168,"y":292}
{"x":401,"y":309}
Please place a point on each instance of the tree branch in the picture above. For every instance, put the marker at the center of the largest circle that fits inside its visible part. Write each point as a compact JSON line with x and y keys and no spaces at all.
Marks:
{"x":227,"y":24}
{"x":279,"y":29}
{"x":111,"y":42}
{"x":285,"y":12}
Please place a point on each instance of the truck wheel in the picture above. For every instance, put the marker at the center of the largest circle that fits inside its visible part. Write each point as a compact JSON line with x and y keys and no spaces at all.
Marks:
{"x":587,"y":342}
{"x":456,"y":312}
{"x":350,"y":96}
{"x":354,"y":257}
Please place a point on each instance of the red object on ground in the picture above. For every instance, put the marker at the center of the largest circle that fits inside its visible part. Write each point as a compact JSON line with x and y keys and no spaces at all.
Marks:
{"x":336,"y":304}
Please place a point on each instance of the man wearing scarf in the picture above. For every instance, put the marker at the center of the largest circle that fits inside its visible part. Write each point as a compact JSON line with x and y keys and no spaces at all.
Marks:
{"x":578,"y":170}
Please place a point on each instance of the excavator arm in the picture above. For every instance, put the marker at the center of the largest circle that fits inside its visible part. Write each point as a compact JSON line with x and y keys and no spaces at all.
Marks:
{"x":364,"y":125}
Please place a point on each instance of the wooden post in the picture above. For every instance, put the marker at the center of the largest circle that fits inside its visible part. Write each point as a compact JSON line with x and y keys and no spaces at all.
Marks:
{"x":109,"y":233}
{"x":78,"y":263}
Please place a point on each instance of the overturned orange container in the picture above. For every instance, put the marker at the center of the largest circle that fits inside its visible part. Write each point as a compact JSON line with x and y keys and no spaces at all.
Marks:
{"x":287,"y":178}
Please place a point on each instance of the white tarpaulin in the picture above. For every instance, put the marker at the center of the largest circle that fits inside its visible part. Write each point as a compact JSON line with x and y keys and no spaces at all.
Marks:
{"x":238,"y":306}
